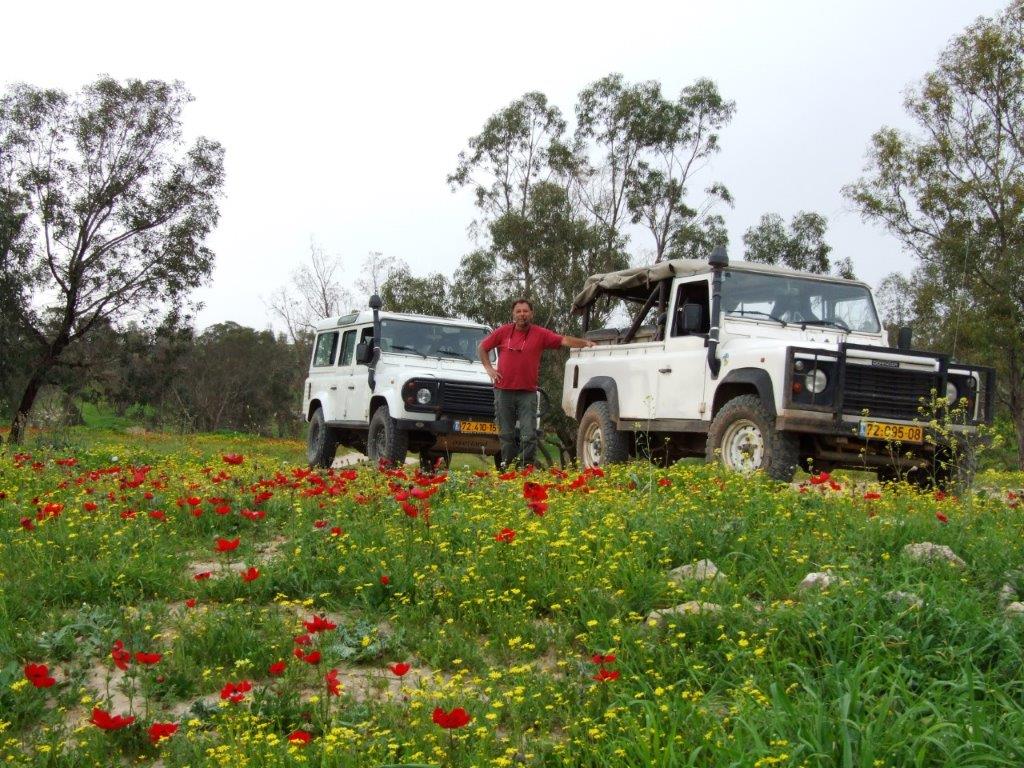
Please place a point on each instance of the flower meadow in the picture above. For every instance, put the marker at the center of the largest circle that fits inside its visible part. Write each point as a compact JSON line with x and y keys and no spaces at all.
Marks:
{"x":215,"y":603}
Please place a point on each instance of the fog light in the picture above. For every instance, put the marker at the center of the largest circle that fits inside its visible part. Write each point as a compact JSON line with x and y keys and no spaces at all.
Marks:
{"x":816,"y":381}
{"x":423,"y":396}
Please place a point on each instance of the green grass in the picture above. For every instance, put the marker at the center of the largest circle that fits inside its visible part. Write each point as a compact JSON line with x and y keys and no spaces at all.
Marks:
{"x":505,"y":628}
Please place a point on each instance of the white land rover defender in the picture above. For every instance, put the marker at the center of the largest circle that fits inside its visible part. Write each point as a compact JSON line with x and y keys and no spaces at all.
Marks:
{"x":760,"y":367}
{"x":385,"y":383}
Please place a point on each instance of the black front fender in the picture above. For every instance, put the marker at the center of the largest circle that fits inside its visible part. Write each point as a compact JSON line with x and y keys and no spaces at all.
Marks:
{"x":605,"y":384}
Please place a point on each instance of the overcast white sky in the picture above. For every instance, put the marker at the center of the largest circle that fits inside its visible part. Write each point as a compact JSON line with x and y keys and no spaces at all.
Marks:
{"x":341,"y":121}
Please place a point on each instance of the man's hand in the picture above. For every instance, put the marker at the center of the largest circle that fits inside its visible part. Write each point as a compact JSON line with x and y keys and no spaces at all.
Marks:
{"x":495,"y":376}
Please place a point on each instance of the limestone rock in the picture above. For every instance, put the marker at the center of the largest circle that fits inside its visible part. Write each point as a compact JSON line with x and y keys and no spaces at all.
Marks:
{"x":927,"y":552}
{"x":906,"y":599}
{"x":702,"y":570}
{"x":689,"y":608}
{"x":817,"y":580}
{"x":1007,"y":595}
{"x":1014,"y":610}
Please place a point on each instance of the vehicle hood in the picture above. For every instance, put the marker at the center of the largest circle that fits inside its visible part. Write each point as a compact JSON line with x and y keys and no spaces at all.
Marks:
{"x":408,"y":366}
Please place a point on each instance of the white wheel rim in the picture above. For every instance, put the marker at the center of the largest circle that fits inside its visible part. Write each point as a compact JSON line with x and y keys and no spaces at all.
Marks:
{"x":743,"y":446}
{"x":592,"y":446}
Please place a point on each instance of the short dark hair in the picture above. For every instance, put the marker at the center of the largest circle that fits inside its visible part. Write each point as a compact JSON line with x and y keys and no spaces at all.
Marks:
{"x":521,"y":300}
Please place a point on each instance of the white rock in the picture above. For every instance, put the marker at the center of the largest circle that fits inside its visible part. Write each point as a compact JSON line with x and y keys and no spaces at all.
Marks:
{"x":927,"y":552}
{"x":909,"y":599}
{"x":817,"y":580}
{"x":1007,"y":595}
{"x":1014,"y":610}
{"x":702,"y":570}
{"x":689,"y":608}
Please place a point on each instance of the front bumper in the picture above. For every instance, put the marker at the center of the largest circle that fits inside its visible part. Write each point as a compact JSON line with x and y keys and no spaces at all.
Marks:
{"x":448,"y":435}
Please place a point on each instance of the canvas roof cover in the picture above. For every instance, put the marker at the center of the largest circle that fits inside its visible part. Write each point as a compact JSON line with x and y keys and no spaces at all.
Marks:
{"x":638,"y":282}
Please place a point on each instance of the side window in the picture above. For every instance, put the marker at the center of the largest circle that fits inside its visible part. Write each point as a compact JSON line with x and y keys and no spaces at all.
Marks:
{"x":348,"y":348}
{"x":326,"y":345}
{"x":692,"y":294}
{"x":366,"y":335}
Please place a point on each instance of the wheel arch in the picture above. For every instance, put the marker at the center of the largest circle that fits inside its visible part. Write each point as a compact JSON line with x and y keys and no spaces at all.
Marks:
{"x":744,"y":381}
{"x":313,"y":405}
{"x":599,"y":388}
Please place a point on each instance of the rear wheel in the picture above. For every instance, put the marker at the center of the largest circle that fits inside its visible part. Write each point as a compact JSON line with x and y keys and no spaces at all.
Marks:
{"x":598,"y":442}
{"x":321,"y":442}
{"x":744,"y":439}
{"x":385,"y":440}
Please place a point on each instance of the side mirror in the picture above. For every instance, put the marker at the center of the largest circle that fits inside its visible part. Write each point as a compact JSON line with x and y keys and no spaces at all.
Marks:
{"x":364,"y":353}
{"x":692,"y":318}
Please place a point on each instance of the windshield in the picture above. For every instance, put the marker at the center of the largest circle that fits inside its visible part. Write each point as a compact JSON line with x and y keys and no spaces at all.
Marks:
{"x":798,"y":301}
{"x":430,"y":339}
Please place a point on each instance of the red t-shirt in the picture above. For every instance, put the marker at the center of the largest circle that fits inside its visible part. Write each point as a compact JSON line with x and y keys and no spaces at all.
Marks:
{"x":519,"y":353}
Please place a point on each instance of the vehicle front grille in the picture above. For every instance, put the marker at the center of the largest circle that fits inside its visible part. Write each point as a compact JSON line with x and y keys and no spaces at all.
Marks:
{"x":887,"y":392}
{"x":467,"y":399}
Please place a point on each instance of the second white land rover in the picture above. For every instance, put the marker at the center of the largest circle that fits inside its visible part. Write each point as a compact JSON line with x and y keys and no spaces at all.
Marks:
{"x":386,"y":383}
{"x":762,"y":367}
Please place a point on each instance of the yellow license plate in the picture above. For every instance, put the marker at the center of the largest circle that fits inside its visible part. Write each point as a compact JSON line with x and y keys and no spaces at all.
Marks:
{"x":896,"y":433}
{"x":478,"y":427}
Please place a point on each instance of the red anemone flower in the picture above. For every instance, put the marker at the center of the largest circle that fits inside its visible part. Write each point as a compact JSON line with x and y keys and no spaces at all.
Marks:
{"x":202,"y":575}
{"x":147,"y":658}
{"x":190,"y":603}
{"x":457,"y":718}
{"x":505,"y":536}
{"x":277,"y":668}
{"x":605,"y":675}
{"x":598,"y":658}
{"x":109,"y":722}
{"x":120,"y":656}
{"x":235,"y":692}
{"x":251,"y":574}
{"x":400,"y":669}
{"x":39,"y":675}
{"x":319,"y":624}
{"x":233,"y":458}
{"x":385,"y":579}
{"x":941,"y":518}
{"x":333,"y":683}
{"x":227,"y":545}
{"x":313,"y":657}
{"x":299,"y":737}
{"x":872,"y":495}
{"x":538,"y":507}
{"x":821,"y":478}
{"x":159,"y":731}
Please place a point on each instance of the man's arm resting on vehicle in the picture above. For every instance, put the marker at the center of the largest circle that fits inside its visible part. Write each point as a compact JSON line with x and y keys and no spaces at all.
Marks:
{"x":575,"y":343}
{"x":485,"y":358}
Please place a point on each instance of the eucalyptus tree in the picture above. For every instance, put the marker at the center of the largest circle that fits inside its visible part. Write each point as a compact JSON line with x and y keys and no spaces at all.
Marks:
{"x":952,"y":192}
{"x":116,"y":209}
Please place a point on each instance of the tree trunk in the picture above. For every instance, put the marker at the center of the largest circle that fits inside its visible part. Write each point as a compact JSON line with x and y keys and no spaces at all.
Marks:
{"x":20,"y":420}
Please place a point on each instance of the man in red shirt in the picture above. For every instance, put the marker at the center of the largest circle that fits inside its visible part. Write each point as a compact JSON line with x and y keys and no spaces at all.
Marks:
{"x":520,"y":345}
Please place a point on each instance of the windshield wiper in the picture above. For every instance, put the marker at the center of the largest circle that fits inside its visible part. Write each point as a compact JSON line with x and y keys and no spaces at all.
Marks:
{"x":404,"y":348}
{"x":834,"y":323}
{"x":769,"y":315}
{"x":456,"y":354}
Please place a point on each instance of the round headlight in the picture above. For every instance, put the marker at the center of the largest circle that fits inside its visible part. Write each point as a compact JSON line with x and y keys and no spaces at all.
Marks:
{"x":951,"y":393}
{"x":423,"y":396}
{"x":816,"y":381}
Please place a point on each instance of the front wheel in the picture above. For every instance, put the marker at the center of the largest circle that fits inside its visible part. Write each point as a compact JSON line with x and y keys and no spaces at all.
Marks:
{"x":744,"y":439}
{"x":598,"y":442}
{"x":386,"y":442}
{"x":322,"y":441}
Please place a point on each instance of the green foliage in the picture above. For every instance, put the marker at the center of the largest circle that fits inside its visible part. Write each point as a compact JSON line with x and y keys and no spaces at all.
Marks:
{"x":954,"y":194}
{"x":115,"y":204}
{"x":802,"y":247}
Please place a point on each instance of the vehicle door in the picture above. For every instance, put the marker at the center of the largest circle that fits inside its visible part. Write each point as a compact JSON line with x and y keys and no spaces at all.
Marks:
{"x":358,"y":399}
{"x":683,"y":375}
{"x":323,"y":376}
{"x":346,"y":372}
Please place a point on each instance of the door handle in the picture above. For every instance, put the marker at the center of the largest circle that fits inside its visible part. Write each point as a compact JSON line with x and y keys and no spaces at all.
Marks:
{"x":664,"y":370}
{"x":333,"y":388}
{"x":351,"y":386}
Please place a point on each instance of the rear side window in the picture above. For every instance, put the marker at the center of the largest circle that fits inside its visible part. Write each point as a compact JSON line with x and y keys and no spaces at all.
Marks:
{"x":326,"y":346}
{"x":348,"y":346}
